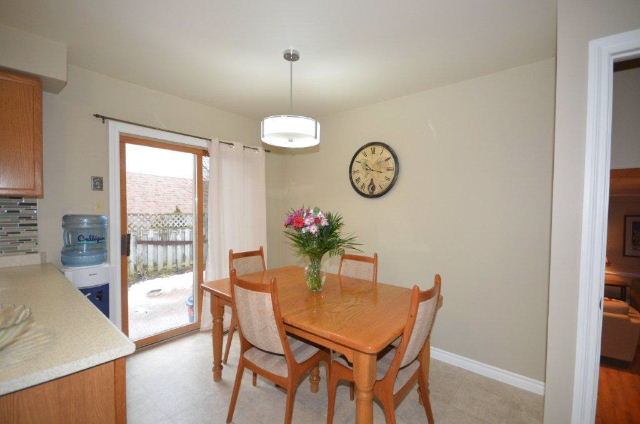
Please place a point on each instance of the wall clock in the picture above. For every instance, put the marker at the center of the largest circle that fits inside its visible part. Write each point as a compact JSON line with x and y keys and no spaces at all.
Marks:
{"x":374,"y":169}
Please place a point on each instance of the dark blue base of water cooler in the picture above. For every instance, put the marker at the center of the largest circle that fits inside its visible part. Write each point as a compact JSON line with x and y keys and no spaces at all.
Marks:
{"x":99,"y":296}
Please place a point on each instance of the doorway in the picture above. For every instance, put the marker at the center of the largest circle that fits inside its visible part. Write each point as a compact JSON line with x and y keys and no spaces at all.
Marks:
{"x":162,"y":204}
{"x":619,"y":380}
{"x":603,"y":53}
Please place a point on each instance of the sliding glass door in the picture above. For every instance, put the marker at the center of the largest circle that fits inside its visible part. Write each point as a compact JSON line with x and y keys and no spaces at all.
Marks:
{"x":162,"y":254}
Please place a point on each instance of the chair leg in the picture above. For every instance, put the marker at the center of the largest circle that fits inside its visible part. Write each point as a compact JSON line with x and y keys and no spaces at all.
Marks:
{"x":314,"y":378}
{"x":291,"y":397}
{"x":423,"y":389}
{"x":389,"y":410}
{"x":232,"y":329}
{"x":234,"y":394}
{"x":255,"y":379}
{"x":352,"y":390}
{"x":332,"y":388}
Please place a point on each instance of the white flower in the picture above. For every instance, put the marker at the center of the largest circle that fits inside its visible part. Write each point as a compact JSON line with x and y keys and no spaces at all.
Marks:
{"x":313,"y":229}
{"x":324,"y":222}
{"x":304,"y":229}
{"x":308,"y":220}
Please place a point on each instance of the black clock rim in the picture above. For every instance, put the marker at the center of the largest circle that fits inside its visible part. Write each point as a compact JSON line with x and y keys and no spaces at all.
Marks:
{"x":395,"y":176}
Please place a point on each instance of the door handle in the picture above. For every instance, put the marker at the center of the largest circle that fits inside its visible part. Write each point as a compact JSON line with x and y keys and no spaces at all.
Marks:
{"x":125,"y":244}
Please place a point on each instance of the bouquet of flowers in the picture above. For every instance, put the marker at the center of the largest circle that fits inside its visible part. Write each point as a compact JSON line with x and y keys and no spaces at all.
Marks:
{"x":315,"y":233}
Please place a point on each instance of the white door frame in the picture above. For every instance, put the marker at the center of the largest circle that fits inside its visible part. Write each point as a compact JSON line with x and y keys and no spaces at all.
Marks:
{"x":603,"y":52}
{"x":114,"y":130}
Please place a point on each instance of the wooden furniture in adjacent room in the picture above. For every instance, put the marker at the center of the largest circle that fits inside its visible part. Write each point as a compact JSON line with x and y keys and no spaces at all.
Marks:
{"x":399,"y":368}
{"x":20,"y":135}
{"x":265,"y":347}
{"x":346,"y":321}
{"x":359,"y":266}
{"x":244,"y":263}
{"x":619,"y":282}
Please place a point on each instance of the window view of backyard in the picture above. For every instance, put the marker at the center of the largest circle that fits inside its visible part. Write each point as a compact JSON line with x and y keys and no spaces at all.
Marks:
{"x":160,"y":218}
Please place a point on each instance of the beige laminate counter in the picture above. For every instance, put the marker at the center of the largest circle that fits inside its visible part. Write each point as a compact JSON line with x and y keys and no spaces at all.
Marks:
{"x":68,"y":333}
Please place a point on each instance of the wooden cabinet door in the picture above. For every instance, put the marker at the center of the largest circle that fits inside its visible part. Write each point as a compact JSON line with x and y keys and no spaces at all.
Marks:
{"x":20,"y":135}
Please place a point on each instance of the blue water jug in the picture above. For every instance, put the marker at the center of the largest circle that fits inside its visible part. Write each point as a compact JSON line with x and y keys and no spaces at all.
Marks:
{"x":85,"y":240}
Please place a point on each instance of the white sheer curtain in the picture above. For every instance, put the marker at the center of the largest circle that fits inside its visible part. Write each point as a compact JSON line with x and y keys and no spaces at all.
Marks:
{"x":237,"y":211}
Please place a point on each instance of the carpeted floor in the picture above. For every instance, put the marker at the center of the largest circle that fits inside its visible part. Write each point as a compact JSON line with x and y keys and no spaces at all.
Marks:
{"x":172,"y":383}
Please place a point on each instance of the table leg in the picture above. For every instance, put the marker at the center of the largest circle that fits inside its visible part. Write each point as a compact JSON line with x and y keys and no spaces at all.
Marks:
{"x":364,"y":372}
{"x":315,"y":379}
{"x":217,"y":311}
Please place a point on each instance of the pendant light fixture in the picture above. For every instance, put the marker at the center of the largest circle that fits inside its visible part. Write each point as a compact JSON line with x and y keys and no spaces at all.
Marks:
{"x":292,"y":131}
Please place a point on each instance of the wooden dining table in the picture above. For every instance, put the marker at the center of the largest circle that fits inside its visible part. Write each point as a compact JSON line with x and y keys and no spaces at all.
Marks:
{"x":356,"y":318}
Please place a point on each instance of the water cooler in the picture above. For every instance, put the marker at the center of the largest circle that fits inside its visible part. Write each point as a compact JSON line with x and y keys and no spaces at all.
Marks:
{"x":84,"y":255}
{"x":93,"y":282}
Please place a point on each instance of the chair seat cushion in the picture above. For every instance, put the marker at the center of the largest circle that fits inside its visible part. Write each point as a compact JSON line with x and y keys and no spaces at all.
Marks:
{"x":277,"y":364}
{"x":384,"y":363}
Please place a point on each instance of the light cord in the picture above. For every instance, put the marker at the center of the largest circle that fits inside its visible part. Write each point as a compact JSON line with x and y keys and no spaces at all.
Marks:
{"x":291,"y":87}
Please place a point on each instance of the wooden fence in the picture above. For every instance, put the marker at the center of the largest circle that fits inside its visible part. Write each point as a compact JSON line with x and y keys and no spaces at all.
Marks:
{"x":160,"y":244}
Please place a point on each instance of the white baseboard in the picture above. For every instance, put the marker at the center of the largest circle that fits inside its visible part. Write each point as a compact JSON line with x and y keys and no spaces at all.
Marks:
{"x":504,"y":376}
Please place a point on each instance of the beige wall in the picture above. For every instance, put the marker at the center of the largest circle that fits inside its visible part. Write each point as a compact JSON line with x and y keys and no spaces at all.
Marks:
{"x":75,"y":143}
{"x":579,"y":21}
{"x":625,"y":125}
{"x":472,"y":202}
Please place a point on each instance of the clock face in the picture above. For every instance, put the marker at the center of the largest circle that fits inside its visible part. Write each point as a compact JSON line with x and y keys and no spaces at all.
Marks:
{"x":373,"y":169}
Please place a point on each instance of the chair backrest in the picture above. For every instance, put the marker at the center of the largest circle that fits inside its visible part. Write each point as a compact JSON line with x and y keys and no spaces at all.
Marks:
{"x":247,"y":262}
{"x":422,"y":314}
{"x":256,"y":306}
{"x":358,"y":266}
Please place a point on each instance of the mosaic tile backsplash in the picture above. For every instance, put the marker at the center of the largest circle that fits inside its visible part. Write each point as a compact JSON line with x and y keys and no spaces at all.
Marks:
{"x":18,"y":226}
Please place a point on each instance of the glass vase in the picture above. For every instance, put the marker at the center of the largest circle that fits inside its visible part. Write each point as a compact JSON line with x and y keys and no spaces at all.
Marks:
{"x":314,"y":274}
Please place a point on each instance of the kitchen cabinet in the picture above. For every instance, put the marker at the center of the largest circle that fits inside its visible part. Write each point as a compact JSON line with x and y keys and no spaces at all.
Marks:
{"x":20,"y":135}
{"x":69,"y":366}
{"x":96,"y":396}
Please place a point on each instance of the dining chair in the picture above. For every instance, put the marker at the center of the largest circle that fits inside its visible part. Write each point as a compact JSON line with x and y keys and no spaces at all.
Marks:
{"x":400,"y":367}
{"x":363,"y":268}
{"x":265,"y":347}
{"x":244,"y":263}
{"x":359,"y":266}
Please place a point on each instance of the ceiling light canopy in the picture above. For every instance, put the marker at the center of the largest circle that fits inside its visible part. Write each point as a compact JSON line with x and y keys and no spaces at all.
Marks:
{"x":291,"y":131}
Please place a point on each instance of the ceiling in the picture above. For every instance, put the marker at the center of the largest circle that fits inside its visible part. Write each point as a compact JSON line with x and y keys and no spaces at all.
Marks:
{"x":228,"y":54}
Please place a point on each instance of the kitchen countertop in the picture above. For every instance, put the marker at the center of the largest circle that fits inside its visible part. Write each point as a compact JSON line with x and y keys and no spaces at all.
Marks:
{"x":67,"y":334}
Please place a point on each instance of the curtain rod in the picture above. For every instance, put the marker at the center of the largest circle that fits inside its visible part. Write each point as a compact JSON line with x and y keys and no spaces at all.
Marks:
{"x":104,"y":118}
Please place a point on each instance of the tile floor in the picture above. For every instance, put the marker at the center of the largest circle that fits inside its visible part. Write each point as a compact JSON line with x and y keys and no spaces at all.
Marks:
{"x":172,"y":383}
